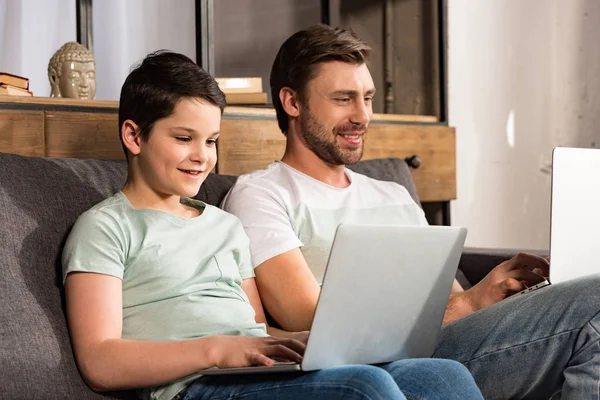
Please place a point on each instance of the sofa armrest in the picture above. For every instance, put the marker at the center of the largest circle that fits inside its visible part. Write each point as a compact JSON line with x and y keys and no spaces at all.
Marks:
{"x":476,"y":263}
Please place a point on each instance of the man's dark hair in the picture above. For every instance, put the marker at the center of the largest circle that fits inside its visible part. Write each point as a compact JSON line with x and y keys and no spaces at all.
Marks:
{"x":294,"y":65}
{"x":154,"y":87}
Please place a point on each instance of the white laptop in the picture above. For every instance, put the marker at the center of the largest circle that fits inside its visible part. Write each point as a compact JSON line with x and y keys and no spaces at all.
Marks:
{"x":383,"y":297}
{"x":575,"y":215}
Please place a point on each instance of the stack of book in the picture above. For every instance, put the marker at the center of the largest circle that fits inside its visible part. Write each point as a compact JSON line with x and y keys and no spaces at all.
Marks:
{"x":243,"y":90}
{"x":14,"y":85}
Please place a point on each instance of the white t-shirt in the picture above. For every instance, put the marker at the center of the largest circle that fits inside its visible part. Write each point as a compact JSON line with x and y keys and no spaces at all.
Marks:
{"x":282,"y":209}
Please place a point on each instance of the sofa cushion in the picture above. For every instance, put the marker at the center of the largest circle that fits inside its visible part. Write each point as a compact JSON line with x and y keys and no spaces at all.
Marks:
{"x":40,"y":199}
{"x":39,"y":202}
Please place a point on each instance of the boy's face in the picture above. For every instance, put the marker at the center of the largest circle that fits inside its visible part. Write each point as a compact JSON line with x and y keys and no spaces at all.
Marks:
{"x":336,"y":111}
{"x":181,"y":149}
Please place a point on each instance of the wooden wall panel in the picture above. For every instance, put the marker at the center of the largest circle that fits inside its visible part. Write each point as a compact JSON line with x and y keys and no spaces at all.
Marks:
{"x":248,"y":144}
{"x":83,"y":135}
{"x":30,"y":125}
{"x":435,"y":179}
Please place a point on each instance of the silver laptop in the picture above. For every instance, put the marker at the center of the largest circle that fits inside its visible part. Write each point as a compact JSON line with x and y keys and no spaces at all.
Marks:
{"x":575,"y":215}
{"x":383,"y":297}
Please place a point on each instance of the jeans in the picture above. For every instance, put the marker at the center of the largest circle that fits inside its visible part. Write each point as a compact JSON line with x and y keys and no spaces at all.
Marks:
{"x":540,"y":345}
{"x":406,"y":379}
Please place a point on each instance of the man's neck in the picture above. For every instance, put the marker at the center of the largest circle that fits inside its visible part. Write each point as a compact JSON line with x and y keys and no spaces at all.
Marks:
{"x":304,"y":160}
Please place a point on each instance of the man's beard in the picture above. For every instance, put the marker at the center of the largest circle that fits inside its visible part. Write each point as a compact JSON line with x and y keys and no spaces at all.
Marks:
{"x":316,"y":137}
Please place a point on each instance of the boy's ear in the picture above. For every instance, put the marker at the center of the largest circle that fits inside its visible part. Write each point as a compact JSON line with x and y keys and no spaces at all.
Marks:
{"x":131,"y":137}
{"x":289,"y":101}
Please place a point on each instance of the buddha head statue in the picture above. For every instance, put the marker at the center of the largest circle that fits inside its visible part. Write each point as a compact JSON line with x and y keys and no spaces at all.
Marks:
{"x":72,"y":72}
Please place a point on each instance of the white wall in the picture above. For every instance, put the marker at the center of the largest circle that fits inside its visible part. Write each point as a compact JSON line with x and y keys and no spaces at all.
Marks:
{"x":523,"y":77}
{"x":30,"y":32}
{"x":125,"y":31}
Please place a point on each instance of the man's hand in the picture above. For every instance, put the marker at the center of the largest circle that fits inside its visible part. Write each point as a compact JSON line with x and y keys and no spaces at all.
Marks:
{"x":504,"y":280}
{"x":508,"y":278}
{"x":244,"y":351}
{"x":302,"y":336}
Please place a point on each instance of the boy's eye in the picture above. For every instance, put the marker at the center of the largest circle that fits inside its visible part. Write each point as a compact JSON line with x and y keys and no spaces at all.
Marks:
{"x":211,"y":141}
{"x":183,"y":138}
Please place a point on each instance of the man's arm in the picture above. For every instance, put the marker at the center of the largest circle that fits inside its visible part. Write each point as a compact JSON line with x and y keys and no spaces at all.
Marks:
{"x":288,"y":290}
{"x":249,"y":287}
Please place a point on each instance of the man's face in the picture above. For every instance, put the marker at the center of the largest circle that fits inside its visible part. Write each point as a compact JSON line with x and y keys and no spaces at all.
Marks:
{"x":335,"y":111}
{"x":181,"y":149}
{"x":78,"y":80}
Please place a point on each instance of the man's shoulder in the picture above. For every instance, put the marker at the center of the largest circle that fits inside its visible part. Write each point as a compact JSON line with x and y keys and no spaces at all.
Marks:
{"x":262,"y":186}
{"x":273,"y":173}
{"x":387,"y":188}
{"x":272,"y":179}
{"x":365,"y":180}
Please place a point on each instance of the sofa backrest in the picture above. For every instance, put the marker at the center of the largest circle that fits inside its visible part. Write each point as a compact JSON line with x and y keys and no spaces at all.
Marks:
{"x":40,"y":199}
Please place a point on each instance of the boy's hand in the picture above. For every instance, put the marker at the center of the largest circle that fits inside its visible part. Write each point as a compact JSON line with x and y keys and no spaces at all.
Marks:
{"x":244,"y":351}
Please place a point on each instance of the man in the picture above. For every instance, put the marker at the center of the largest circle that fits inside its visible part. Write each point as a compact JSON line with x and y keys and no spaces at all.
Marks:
{"x":527,"y":346}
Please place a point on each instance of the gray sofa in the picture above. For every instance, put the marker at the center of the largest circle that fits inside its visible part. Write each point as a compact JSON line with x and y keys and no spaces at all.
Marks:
{"x":40,"y":200}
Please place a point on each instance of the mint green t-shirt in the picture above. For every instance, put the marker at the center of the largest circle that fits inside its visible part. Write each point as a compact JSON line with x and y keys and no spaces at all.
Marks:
{"x":181,"y":276}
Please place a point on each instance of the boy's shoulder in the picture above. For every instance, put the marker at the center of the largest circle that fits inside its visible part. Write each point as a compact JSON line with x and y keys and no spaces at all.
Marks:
{"x":113,"y":207}
{"x":111,"y":213}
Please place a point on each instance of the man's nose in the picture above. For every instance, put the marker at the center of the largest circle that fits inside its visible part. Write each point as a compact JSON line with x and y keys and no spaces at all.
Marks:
{"x":362,"y":112}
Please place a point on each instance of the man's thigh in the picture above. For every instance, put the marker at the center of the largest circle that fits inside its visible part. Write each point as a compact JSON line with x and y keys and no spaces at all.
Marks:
{"x":521,"y":346}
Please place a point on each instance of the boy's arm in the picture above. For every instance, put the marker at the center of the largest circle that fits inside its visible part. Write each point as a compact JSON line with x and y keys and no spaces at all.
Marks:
{"x":108,"y":362}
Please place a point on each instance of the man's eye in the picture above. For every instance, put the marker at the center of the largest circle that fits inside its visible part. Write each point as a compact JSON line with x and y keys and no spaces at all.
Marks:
{"x":183,"y":139}
{"x":367,"y":99}
{"x":343,"y":99}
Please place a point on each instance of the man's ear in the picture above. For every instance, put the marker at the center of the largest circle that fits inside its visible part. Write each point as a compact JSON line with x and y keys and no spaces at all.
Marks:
{"x":289,"y":101}
{"x":131,"y":137}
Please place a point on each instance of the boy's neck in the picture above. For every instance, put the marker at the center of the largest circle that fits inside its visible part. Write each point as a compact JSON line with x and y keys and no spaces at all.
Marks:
{"x":143,"y":197}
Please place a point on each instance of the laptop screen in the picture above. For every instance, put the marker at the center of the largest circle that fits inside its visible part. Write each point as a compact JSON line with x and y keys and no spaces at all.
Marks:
{"x":575,"y":215}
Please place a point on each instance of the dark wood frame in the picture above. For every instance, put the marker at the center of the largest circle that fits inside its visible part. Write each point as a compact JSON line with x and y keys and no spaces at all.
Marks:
{"x":85,"y":31}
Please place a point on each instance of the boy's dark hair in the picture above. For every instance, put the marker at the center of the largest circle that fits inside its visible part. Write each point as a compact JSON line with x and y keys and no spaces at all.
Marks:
{"x":294,"y":64}
{"x":154,"y":87}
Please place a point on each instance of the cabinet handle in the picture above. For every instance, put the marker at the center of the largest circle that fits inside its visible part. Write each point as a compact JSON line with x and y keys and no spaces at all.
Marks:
{"x":413,"y":161}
